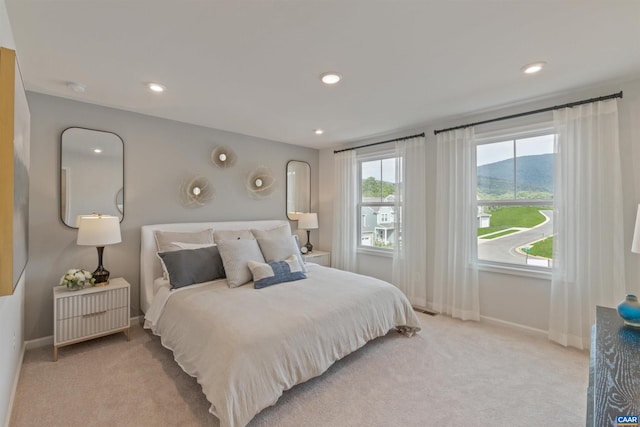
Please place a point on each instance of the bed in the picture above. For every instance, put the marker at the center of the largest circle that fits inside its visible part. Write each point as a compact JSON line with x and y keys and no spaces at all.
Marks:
{"x":245,"y":345}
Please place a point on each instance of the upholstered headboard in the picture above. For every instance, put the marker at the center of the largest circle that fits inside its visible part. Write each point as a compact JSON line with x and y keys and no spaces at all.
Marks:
{"x":150,"y":268}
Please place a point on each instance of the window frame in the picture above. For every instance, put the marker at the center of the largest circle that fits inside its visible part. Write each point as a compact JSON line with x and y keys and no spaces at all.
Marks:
{"x":360,"y":159}
{"x":511,"y":134}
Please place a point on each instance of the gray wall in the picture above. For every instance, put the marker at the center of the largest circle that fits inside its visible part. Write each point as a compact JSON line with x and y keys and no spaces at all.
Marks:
{"x":509,"y":298}
{"x":158,"y":155}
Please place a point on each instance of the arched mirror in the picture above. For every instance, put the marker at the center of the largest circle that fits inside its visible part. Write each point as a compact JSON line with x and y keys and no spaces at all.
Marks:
{"x":298,"y":188}
{"x":91,"y":174}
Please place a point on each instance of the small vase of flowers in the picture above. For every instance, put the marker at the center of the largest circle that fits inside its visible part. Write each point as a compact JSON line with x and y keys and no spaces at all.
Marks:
{"x":76,"y":279}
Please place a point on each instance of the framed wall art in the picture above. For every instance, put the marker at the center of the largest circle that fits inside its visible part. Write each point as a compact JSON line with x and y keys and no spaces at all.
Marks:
{"x":14,"y":173}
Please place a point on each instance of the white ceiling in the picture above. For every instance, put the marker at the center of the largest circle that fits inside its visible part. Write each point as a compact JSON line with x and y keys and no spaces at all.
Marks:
{"x":253,"y":66}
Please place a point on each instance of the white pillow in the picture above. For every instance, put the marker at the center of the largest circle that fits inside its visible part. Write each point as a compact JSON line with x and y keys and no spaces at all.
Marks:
{"x":232,"y":235}
{"x":185,"y":245}
{"x":165,"y":239}
{"x":280,"y":248}
{"x":236,"y":255}
{"x":281,"y":231}
{"x":276,"y":249}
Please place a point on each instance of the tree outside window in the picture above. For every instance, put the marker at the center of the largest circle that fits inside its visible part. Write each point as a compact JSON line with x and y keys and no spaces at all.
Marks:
{"x":377,"y":202}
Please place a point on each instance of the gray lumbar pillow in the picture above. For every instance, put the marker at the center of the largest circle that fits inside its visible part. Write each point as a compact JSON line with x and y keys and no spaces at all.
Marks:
{"x":190,"y":266}
{"x":235,"y":256}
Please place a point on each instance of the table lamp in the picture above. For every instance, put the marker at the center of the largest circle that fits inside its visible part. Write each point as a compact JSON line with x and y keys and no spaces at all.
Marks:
{"x":99,"y":230}
{"x":308,"y":221}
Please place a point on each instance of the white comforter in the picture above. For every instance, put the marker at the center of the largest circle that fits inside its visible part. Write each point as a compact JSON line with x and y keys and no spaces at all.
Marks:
{"x":246,"y":346}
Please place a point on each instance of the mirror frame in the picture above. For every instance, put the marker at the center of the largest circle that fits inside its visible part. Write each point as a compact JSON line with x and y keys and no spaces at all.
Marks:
{"x":286,"y":201}
{"x":65,"y":199}
{"x":120,"y":195}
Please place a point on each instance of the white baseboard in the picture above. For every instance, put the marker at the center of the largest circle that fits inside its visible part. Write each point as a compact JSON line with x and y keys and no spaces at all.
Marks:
{"x":522,"y":328}
{"x":14,"y":389}
{"x":492,"y":321}
{"x":45,"y":341}
{"x":39,"y":342}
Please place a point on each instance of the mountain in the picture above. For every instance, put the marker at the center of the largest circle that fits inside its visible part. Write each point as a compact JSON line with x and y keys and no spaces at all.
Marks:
{"x":533,"y":174}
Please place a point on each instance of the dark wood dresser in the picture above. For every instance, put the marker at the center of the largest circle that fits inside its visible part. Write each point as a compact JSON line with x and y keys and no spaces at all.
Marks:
{"x":614,"y":372}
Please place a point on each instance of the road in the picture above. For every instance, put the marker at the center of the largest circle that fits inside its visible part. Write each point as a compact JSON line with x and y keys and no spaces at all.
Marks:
{"x":503,"y":249}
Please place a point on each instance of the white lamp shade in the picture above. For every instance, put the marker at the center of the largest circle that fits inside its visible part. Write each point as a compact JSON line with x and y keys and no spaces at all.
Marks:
{"x":98,"y":230}
{"x":308,"y":221}
{"x":635,"y":246}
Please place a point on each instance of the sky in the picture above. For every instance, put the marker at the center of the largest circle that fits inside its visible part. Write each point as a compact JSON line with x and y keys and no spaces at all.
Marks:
{"x":491,"y":153}
{"x":487,"y":153}
{"x":385,"y":169}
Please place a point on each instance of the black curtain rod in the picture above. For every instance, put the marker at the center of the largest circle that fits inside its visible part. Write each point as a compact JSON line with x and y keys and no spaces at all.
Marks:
{"x":542,"y":110}
{"x":378,"y":143}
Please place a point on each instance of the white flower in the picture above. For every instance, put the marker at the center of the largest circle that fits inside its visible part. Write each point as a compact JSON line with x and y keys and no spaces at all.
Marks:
{"x":77,"y":278}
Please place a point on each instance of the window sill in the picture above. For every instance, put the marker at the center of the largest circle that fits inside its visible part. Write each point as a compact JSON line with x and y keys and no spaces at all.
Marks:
{"x":515,"y":270}
{"x":376,"y":252}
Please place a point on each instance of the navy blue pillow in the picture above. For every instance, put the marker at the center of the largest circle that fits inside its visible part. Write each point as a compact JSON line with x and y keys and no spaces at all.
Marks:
{"x":275,"y":272}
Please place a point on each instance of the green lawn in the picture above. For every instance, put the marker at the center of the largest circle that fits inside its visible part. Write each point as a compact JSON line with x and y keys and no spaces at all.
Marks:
{"x":512,"y":216}
{"x":516,"y":216}
{"x":543,"y":248}
{"x":504,"y":233}
{"x":487,"y":230}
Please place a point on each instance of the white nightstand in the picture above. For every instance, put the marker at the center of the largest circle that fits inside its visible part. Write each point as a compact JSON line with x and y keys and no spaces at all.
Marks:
{"x":90,"y":313}
{"x":318,"y":257}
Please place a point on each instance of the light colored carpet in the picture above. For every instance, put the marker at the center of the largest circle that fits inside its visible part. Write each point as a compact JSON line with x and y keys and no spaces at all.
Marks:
{"x":453,"y":373}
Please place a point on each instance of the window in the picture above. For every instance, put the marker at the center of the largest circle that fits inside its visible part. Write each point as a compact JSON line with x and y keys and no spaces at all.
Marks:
{"x":515,"y":200}
{"x":377,"y":201}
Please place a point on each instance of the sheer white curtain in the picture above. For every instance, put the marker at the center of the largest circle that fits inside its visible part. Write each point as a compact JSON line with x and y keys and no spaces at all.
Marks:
{"x":589,"y":249}
{"x":455,"y":274}
{"x":345,"y":204}
{"x":409,"y":256}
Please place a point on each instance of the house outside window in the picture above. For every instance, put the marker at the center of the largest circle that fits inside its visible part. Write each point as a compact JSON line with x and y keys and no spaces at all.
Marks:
{"x":377,"y":201}
{"x":515,"y":200}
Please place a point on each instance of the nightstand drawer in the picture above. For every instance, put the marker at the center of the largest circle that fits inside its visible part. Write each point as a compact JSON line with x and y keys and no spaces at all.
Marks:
{"x":91,"y":303}
{"x":90,"y":313}
{"x":91,"y":324}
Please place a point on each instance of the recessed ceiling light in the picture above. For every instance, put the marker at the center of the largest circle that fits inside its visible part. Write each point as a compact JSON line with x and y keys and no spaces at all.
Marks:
{"x":97,"y":150}
{"x":156,"y":87}
{"x":533,"y":67}
{"x":76,"y":87}
{"x":330,"y":78}
{"x":318,"y":131}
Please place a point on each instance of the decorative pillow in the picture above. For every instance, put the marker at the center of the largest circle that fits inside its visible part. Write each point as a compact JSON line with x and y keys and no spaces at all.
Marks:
{"x":232,"y":235}
{"x":189,"y":266}
{"x":235,"y":256}
{"x":165,"y":239}
{"x":185,"y":245}
{"x":281,"y":231}
{"x":280,"y":248}
{"x":176,"y":246}
{"x":276,"y":272}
